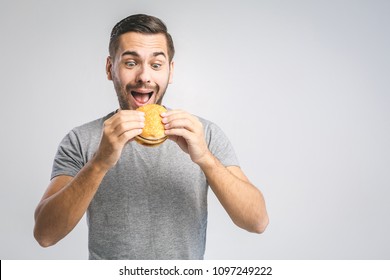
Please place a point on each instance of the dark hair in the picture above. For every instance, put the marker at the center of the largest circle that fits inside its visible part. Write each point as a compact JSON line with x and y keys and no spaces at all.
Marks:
{"x":140,"y":23}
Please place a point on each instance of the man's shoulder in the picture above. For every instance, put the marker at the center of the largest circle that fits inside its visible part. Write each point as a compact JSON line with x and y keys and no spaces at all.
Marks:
{"x":92,"y":126}
{"x":89,"y":132}
{"x":209,"y":126}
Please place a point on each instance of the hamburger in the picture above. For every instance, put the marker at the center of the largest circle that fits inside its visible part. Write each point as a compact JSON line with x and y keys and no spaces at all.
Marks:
{"x":153,"y":131}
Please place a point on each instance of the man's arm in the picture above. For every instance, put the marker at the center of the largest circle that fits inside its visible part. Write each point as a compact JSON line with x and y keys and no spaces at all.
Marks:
{"x":64,"y":203}
{"x":67,"y":198}
{"x":242,"y":201}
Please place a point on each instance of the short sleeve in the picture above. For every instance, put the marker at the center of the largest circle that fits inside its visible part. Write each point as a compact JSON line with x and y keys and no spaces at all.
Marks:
{"x":68,"y":159}
{"x":220,"y":146}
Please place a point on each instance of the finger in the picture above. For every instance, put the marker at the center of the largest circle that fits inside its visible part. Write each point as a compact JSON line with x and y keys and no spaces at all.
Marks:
{"x":129,"y":135}
{"x":125,"y":115}
{"x":180,"y":118}
{"x":180,"y":123}
{"x":177,"y":114}
{"x":124,"y":122}
{"x":181,"y":132}
{"x":128,"y":126}
{"x":114,"y":133}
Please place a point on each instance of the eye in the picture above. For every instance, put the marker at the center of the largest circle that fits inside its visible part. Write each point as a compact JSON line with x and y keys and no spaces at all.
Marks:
{"x":130,"y":64}
{"x":156,"y":66}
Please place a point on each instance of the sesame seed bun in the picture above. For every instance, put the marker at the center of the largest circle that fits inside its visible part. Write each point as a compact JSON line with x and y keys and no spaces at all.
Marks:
{"x":153,"y":131}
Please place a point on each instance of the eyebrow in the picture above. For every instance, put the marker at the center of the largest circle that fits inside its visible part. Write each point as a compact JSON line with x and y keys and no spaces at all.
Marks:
{"x":134,"y":53}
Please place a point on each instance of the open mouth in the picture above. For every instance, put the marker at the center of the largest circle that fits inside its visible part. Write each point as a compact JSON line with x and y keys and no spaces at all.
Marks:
{"x":141,"y":97}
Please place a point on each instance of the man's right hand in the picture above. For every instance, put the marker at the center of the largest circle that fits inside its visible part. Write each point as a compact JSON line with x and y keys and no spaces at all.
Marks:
{"x":117,"y":131}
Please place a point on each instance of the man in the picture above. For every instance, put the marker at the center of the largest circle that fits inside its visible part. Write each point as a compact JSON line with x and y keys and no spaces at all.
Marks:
{"x":143,"y":202}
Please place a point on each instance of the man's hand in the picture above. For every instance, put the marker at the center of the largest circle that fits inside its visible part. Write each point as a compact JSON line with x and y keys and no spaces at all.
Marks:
{"x":117,"y":131}
{"x":187,"y":131}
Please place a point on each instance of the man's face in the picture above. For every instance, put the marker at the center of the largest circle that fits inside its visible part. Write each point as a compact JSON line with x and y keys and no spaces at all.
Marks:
{"x":140,"y":70}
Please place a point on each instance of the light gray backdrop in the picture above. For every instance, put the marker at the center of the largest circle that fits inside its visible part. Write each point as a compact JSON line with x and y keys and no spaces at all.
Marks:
{"x":300,"y":87}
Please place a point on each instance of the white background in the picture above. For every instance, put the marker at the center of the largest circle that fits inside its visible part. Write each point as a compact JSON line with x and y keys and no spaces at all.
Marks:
{"x":300,"y":87}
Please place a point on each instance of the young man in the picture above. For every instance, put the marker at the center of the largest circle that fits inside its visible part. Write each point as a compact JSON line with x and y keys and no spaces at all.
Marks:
{"x":142,"y":202}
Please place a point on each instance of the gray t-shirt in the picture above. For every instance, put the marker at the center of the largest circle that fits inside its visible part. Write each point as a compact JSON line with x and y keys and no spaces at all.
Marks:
{"x":153,"y":203}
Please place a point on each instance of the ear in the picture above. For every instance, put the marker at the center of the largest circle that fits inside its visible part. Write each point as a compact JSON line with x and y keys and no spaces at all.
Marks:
{"x":171,"y":68}
{"x":109,"y":68}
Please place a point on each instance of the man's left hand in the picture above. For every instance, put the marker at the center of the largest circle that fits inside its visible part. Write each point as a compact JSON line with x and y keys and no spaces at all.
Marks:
{"x":187,"y":131}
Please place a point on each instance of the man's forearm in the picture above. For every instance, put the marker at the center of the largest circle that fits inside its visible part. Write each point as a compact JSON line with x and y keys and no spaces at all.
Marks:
{"x":243,"y":202}
{"x":65,"y":203}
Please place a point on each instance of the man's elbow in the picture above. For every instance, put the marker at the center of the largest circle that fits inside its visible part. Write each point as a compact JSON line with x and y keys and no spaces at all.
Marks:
{"x":43,"y":240}
{"x":261,"y":225}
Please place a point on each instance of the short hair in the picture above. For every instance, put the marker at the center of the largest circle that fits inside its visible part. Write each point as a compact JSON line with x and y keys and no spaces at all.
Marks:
{"x":140,"y":23}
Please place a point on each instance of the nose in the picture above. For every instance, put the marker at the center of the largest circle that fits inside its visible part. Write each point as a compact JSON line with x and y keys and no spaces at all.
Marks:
{"x":143,"y":75}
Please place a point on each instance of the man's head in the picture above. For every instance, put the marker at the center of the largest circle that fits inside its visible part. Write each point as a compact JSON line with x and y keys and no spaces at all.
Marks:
{"x":140,"y":62}
{"x":143,"y":24}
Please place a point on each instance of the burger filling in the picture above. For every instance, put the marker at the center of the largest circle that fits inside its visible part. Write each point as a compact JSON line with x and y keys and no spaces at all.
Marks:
{"x":152,"y":139}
